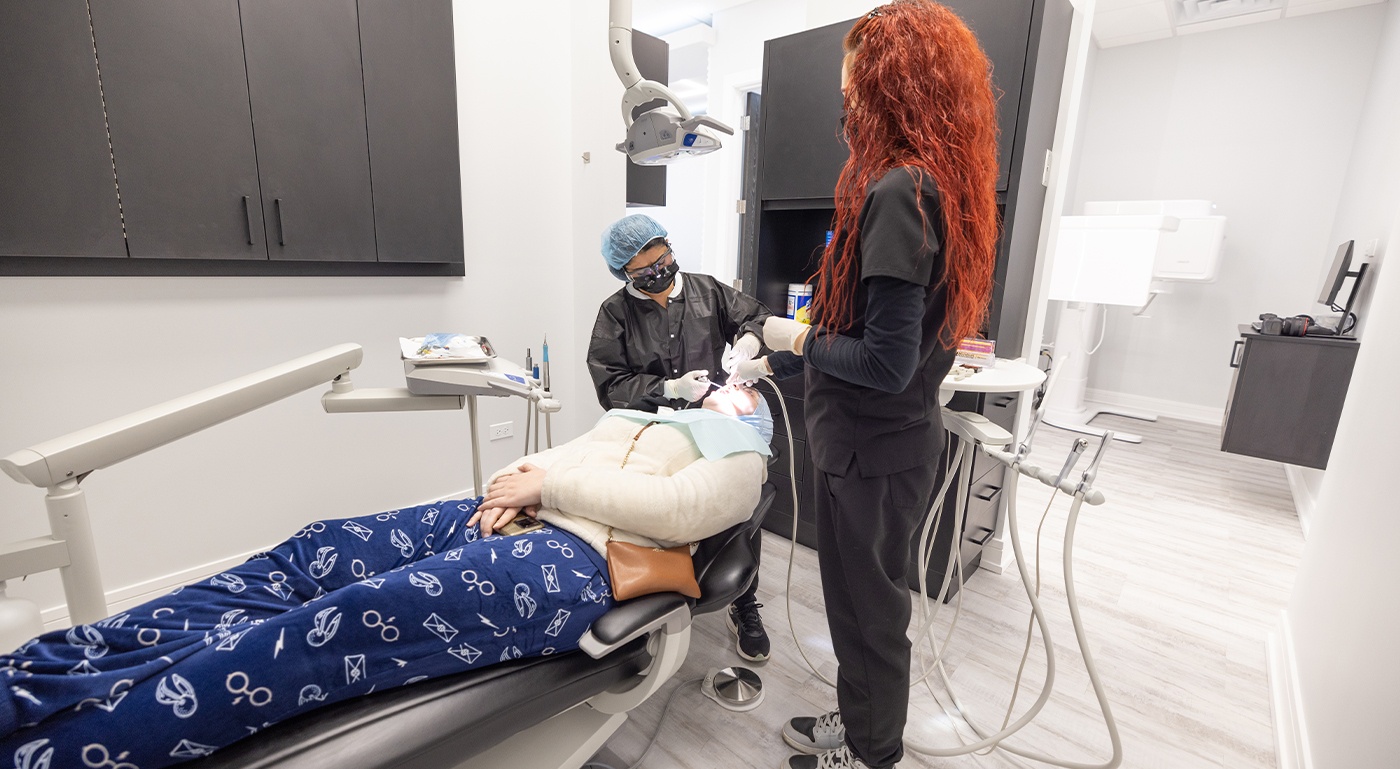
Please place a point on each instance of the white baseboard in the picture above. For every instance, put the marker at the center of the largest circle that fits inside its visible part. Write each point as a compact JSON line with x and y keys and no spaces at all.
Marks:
{"x":1303,"y":500}
{"x":1290,"y":728}
{"x":121,"y":599}
{"x":1189,"y":412}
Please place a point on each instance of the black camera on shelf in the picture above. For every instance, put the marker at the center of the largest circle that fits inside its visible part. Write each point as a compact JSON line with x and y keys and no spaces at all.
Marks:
{"x":1296,"y":325}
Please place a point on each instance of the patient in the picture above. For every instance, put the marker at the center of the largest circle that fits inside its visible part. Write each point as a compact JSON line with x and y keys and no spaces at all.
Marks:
{"x":346,"y":607}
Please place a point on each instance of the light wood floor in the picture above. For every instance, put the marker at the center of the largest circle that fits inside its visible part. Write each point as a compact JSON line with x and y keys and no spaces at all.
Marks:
{"x":1180,"y":577}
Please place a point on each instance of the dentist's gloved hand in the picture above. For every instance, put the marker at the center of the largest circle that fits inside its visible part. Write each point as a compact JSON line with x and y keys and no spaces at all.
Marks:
{"x":743,"y":350}
{"x":690,"y":386}
{"x":751,"y":371}
{"x":785,"y":334}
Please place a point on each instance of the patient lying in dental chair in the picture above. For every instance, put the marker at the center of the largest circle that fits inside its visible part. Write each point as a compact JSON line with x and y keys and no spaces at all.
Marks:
{"x":350,"y":606}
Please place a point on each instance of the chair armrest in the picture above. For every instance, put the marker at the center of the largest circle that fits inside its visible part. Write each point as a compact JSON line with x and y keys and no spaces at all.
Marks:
{"x":633,"y":619}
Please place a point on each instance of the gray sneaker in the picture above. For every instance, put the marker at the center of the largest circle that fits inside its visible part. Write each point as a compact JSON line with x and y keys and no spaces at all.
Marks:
{"x":840,"y":758}
{"x":815,"y":735}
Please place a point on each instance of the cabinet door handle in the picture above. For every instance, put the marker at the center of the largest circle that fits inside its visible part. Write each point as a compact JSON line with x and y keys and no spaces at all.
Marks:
{"x":248,"y":219}
{"x":986,"y":535}
{"x":1003,"y":401}
{"x":988,"y":493}
{"x":281,"y":233}
{"x":1235,"y":352}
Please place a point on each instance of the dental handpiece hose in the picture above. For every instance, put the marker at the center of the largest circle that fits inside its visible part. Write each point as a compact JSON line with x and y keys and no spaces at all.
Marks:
{"x":1081,"y":492}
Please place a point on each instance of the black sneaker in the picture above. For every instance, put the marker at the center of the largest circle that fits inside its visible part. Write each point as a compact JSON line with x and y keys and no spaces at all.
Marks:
{"x":814,"y":735}
{"x":747,"y":625}
{"x":840,"y":758}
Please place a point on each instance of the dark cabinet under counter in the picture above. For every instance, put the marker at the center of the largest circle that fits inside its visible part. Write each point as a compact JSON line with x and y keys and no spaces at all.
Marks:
{"x":1286,"y":396}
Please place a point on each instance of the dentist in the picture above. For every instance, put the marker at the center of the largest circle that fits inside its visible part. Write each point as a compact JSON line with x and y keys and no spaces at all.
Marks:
{"x":660,"y":338}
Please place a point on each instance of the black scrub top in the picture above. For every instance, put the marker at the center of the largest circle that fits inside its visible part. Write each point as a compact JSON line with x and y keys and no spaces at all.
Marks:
{"x":637,"y":344}
{"x":900,"y":237}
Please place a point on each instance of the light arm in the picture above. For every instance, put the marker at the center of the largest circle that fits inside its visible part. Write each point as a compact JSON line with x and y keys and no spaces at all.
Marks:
{"x":60,"y":465}
{"x":79,"y":453}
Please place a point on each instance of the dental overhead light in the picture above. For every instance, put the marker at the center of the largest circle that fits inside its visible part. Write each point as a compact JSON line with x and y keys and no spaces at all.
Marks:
{"x":664,"y":133}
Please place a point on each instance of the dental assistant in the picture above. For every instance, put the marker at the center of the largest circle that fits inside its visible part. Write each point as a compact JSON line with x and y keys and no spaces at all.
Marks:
{"x":906,"y":276}
{"x":659,"y":341}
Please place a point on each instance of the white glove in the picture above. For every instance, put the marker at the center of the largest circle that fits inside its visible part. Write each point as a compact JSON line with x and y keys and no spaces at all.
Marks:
{"x":743,"y":350}
{"x":751,"y":371}
{"x":784,"y":334}
{"x":690,"y":386}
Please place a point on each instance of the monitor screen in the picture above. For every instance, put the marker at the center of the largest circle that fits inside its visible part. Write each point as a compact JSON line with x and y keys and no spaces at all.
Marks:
{"x":1332,"y":285}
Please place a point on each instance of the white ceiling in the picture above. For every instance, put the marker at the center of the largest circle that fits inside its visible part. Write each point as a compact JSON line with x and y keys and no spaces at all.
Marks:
{"x":662,"y":17}
{"x":1116,"y":22}
{"x":1123,"y":22}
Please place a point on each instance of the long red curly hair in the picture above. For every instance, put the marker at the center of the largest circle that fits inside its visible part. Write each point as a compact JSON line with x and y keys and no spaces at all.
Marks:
{"x":919,"y":95}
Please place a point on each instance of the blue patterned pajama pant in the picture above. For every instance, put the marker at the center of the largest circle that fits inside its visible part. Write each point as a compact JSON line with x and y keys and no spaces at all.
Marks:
{"x":342,"y":608}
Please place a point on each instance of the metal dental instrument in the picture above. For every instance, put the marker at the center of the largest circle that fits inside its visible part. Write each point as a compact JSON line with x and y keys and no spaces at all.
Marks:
{"x":1075,"y":451}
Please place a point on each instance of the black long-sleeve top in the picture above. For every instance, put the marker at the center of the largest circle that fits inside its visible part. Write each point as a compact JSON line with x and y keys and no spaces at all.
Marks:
{"x":872,"y":391}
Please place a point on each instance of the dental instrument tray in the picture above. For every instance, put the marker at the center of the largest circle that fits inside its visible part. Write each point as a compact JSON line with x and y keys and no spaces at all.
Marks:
{"x":446,"y":349}
{"x":491,"y":376}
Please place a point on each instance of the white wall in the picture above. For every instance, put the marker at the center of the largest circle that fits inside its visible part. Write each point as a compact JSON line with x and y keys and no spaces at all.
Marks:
{"x":1260,"y":119}
{"x":82,"y":350}
{"x":1343,"y":616}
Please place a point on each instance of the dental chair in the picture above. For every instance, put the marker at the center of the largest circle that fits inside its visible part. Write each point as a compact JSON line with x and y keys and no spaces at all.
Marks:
{"x":534,"y":713}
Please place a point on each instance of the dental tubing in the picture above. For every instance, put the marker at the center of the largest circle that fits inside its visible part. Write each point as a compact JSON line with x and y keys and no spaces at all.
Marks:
{"x":1080,"y":492}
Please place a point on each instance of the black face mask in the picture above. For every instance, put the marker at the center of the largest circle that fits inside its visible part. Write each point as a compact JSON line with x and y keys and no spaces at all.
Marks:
{"x":656,"y":280}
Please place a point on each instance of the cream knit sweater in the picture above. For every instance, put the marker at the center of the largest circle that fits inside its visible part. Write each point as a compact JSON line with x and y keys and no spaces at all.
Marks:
{"x":668,"y":494}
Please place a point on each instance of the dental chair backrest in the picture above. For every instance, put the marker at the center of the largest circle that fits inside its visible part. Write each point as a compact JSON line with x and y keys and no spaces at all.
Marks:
{"x":727,"y":563}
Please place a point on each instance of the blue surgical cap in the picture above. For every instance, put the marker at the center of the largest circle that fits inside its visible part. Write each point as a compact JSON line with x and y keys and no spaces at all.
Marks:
{"x":761,"y":420}
{"x":626,"y":238}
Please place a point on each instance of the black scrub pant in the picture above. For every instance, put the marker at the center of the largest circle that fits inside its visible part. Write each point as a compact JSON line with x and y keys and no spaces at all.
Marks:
{"x":864,"y":527}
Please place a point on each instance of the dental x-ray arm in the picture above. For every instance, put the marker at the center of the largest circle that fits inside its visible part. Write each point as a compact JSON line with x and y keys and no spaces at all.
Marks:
{"x":639,"y":90}
{"x":657,"y":136}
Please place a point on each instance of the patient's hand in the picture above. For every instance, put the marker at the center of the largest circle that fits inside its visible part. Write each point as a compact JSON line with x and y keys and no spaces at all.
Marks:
{"x":493,"y":518}
{"x":508,"y":495}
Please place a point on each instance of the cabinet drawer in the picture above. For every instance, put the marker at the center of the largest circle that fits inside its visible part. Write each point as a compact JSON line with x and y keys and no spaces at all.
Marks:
{"x":780,"y":515}
{"x":796,"y":411}
{"x":1000,"y":408}
{"x":983,"y":506}
{"x":778,"y":463}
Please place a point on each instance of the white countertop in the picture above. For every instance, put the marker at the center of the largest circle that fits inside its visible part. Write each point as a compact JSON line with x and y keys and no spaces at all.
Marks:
{"x":1006,"y":376}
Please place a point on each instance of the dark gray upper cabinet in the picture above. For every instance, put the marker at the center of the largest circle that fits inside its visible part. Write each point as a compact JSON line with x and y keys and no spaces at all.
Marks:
{"x":177,"y":106}
{"x":646,"y":185}
{"x":1003,"y":27}
{"x":411,"y":106}
{"x":802,"y":149}
{"x":308,"y":99}
{"x":58,"y":196}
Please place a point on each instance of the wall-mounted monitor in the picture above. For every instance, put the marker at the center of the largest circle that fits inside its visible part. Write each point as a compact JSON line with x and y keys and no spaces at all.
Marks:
{"x":1332,"y":286}
{"x":1341,"y":266}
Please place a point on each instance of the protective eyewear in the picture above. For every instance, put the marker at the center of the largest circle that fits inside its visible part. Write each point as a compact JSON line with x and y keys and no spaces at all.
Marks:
{"x":652,"y":270}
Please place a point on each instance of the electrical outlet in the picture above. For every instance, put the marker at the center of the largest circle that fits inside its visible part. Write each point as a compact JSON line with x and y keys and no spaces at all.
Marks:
{"x":502,"y":430}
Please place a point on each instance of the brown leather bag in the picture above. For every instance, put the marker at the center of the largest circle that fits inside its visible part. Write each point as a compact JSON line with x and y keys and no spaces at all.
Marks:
{"x":637,"y":570}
